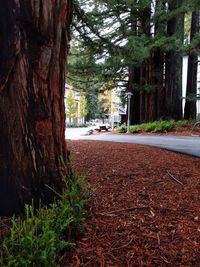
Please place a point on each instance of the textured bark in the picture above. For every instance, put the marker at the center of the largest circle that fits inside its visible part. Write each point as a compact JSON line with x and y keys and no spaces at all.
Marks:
{"x":134,"y":78}
{"x":33,"y":48}
{"x":158,"y":60}
{"x":137,"y":77}
{"x":147,"y":94}
{"x":133,"y":87}
{"x":173,"y":67}
{"x":150,"y":94}
{"x":152,"y":99}
{"x":158,"y":77}
{"x":191,"y":89}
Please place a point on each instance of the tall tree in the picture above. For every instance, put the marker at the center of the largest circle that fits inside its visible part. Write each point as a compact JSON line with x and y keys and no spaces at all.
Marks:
{"x":139,"y":26}
{"x":121,"y":47}
{"x":70,"y":106}
{"x":83,"y":107}
{"x":33,"y":47}
{"x":82,"y":74}
{"x":191,"y":88}
{"x":173,"y":64}
{"x":139,"y":45}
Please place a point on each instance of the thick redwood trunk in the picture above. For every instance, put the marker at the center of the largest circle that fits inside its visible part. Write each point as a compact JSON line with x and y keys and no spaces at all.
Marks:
{"x":133,"y":87}
{"x":191,"y":89}
{"x":33,"y":48}
{"x":173,"y":86}
{"x":173,"y":67}
{"x":158,"y":83}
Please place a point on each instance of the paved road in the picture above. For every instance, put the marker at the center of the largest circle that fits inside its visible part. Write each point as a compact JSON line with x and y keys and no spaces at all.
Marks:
{"x":183,"y":144}
{"x":77,"y":133}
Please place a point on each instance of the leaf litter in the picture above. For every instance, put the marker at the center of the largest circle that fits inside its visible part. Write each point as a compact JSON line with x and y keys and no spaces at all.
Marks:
{"x":139,"y":214}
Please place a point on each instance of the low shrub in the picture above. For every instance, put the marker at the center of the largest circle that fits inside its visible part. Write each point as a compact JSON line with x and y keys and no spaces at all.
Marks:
{"x":156,"y":126}
{"x":162,"y":126}
{"x":122,"y":129}
{"x":135,"y":129}
{"x":185,"y":123}
{"x":148,"y":127}
{"x":40,"y":237}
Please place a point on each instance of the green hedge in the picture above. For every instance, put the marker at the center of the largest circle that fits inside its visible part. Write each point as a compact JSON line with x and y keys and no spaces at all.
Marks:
{"x":156,"y":126}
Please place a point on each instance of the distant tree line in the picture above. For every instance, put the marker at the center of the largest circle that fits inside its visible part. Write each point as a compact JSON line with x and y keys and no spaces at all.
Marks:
{"x":140,"y":46}
{"x":76,"y":109}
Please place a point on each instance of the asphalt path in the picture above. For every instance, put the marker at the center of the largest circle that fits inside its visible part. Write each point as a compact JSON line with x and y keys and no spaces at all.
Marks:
{"x":189,"y":145}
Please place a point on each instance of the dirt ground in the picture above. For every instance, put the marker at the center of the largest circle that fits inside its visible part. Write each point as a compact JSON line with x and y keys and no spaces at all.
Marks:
{"x":144,"y":206}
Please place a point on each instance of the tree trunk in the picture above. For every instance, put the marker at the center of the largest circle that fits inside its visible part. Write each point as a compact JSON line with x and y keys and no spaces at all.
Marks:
{"x":134,"y":79}
{"x":146,"y":97}
{"x":173,"y":67}
{"x":33,"y":47}
{"x":158,"y":83}
{"x":191,"y":89}
{"x":158,"y":59}
{"x":133,"y":87}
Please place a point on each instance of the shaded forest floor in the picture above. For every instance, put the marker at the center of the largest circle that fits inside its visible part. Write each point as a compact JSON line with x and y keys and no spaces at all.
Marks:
{"x":139,"y":214}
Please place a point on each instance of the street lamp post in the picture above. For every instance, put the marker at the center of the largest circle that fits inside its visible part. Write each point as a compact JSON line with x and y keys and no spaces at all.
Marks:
{"x":129,"y":94}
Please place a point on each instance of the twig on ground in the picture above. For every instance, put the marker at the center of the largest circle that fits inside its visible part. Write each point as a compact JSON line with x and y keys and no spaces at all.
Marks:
{"x":123,"y":246}
{"x":158,"y":236}
{"x":164,"y":259}
{"x":174,"y":178}
{"x":89,"y":262}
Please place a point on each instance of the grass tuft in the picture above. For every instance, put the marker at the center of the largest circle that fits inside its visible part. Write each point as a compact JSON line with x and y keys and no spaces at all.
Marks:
{"x":40,"y":238}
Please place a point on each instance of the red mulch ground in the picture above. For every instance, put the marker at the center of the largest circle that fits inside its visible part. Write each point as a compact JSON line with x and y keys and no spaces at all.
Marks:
{"x":139,"y":215}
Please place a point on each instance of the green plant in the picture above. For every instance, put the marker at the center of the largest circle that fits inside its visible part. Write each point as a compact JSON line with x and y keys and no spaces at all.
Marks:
{"x":70,"y":105}
{"x":32,"y":241}
{"x":148,"y":127}
{"x":184,"y":123}
{"x":135,"y":129}
{"x":156,"y":126}
{"x":164,"y":126}
{"x":40,"y":237}
{"x":122,"y":129}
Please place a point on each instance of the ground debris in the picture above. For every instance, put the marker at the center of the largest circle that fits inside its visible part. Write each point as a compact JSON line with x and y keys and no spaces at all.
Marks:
{"x":174,"y":178}
{"x":135,"y":218}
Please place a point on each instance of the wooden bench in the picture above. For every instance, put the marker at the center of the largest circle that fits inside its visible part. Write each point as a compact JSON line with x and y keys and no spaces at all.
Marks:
{"x":102,"y":128}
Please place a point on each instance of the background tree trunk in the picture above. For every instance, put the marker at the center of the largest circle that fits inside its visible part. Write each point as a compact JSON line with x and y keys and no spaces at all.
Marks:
{"x":33,"y":48}
{"x":134,"y":80}
{"x":158,"y":83}
{"x":133,"y":87}
{"x":158,"y":60}
{"x":173,"y":67}
{"x":191,"y":89}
